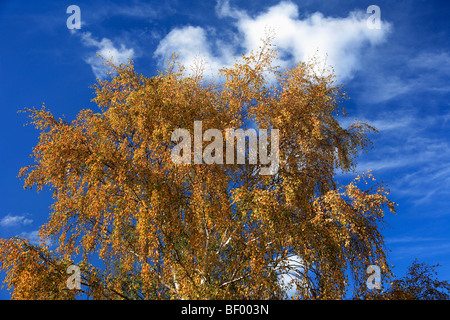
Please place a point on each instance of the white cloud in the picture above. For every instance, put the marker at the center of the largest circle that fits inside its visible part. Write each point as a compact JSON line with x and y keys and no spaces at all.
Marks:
{"x":108,"y":51}
{"x":340,"y":40}
{"x":14,"y":221}
{"x":194,"y":48}
{"x":288,"y":271}
{"x":32,"y":236}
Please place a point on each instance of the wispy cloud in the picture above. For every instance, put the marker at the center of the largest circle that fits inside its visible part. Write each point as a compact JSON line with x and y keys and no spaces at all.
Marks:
{"x":427,"y":71}
{"x":96,"y":12}
{"x":411,"y":239}
{"x":437,"y":61}
{"x":413,"y":150}
{"x":339,"y":42}
{"x":421,"y":250}
{"x":382,"y":87}
{"x":15,"y":221}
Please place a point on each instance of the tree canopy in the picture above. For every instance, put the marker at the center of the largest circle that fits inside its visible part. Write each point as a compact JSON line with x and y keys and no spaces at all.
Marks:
{"x":140,"y":226}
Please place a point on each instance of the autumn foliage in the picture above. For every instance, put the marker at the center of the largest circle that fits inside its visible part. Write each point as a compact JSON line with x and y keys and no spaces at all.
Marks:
{"x":141,"y":227}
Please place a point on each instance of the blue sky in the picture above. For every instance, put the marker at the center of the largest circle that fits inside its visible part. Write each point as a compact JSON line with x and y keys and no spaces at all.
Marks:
{"x":397,"y":76}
